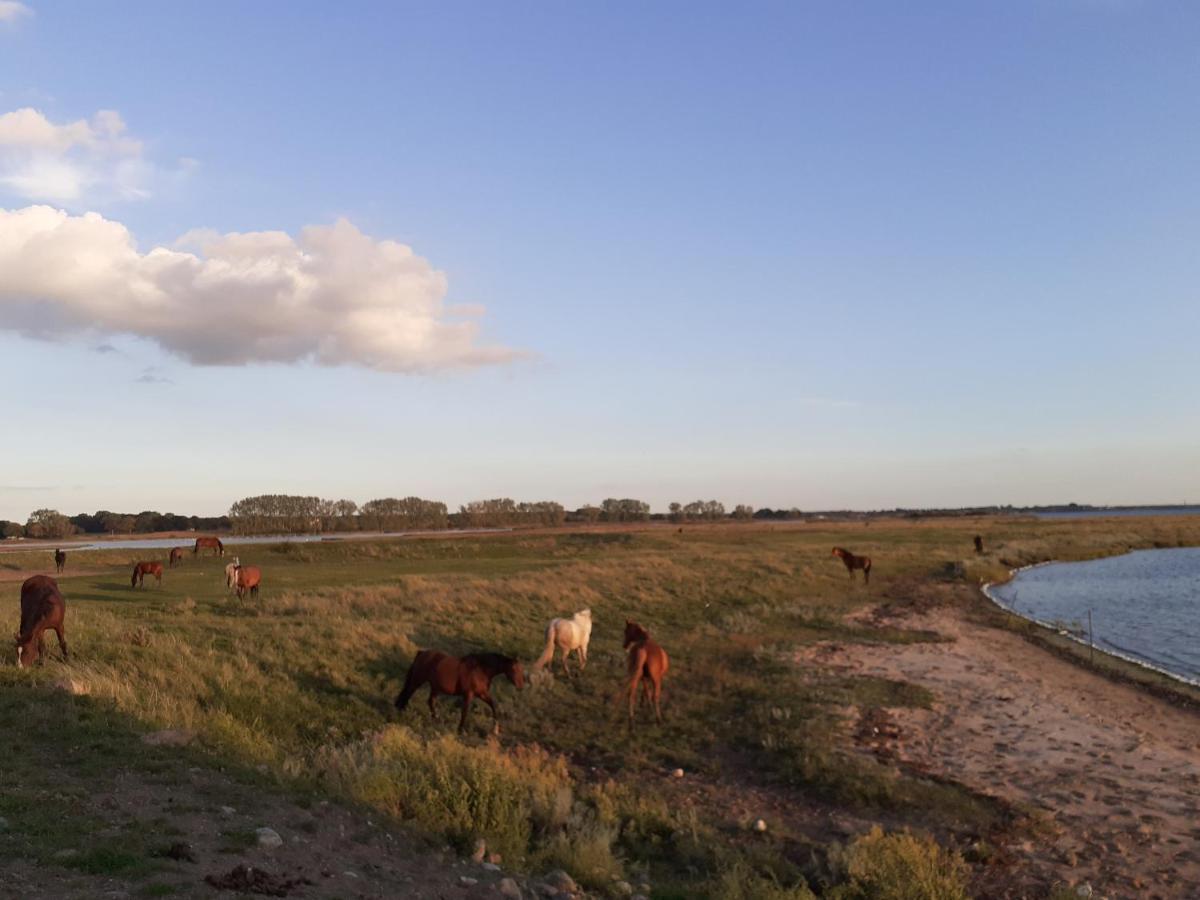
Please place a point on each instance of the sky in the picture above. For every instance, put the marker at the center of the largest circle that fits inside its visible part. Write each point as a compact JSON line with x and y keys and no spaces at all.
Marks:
{"x":853,"y":255}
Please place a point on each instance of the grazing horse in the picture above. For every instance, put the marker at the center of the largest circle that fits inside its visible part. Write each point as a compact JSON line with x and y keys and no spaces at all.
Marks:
{"x":568,"y":635}
{"x":60,"y":560}
{"x":855,"y":562}
{"x":209,"y":543}
{"x":248,"y":579}
{"x":176,"y":556}
{"x":978,"y":544}
{"x":468,"y":677}
{"x":646,"y":659}
{"x":42,"y":609}
{"x":231,"y":573}
{"x":141,"y":570}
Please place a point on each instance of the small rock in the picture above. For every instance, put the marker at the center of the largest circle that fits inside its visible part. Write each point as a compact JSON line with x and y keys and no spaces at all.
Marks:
{"x":66,"y":854}
{"x":622,"y":888}
{"x":350,"y":874}
{"x":1084,"y":890}
{"x":760,"y":826}
{"x":480,"y":850}
{"x":227,"y":810}
{"x":508,"y":888}
{"x":678,"y":773}
{"x":268,"y":838}
{"x":489,"y":867}
{"x":560,"y":880}
{"x":171,"y":737}
{"x":467,"y":880}
{"x":3,"y":824}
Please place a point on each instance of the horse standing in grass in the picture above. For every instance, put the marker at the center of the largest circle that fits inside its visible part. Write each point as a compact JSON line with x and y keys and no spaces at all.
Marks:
{"x":231,"y":573}
{"x":60,"y":561}
{"x":142,"y":569}
{"x":468,"y":677}
{"x":248,"y":580}
{"x":568,"y":635}
{"x":853,"y":562}
{"x":646,"y":660}
{"x":42,"y":610}
{"x":176,"y":557}
{"x":978,"y":544}
{"x":209,"y":543}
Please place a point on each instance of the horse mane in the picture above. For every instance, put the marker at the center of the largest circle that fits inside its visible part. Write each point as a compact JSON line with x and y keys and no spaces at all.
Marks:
{"x":491,"y":659}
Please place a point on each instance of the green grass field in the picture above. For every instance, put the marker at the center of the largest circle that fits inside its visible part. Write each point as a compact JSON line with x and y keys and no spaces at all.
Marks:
{"x":300,"y":684}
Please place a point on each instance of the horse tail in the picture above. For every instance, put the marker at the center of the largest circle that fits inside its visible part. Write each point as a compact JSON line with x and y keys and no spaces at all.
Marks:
{"x":867,"y":571}
{"x":220,"y":546}
{"x":410,"y":685}
{"x":547,"y":654}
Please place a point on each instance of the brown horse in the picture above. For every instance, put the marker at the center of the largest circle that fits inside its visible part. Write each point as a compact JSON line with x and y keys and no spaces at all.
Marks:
{"x":209,"y":543}
{"x":978,"y":544}
{"x":60,"y":560}
{"x":42,"y":609}
{"x":468,"y":677}
{"x":855,"y":562}
{"x":142,"y":569}
{"x":646,"y":659}
{"x":248,"y":579}
{"x":176,"y":556}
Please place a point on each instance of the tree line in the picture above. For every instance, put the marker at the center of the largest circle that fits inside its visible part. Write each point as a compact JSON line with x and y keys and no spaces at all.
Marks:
{"x":295,"y":514}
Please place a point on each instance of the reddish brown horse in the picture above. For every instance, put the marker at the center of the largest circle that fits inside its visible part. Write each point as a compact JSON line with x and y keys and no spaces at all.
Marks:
{"x":646,"y":659}
{"x":60,"y":560}
{"x":468,"y":677}
{"x":209,"y":543}
{"x":176,"y":556}
{"x":42,"y":609}
{"x":248,"y":579}
{"x":142,"y":569}
{"x":978,"y":543}
{"x":854,"y":562}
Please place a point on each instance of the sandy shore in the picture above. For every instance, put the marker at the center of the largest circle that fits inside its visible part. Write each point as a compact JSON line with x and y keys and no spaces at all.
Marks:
{"x":1113,"y":771}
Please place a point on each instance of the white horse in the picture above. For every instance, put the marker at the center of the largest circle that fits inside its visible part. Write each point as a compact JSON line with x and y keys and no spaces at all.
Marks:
{"x":568,"y":634}
{"x":231,"y":574}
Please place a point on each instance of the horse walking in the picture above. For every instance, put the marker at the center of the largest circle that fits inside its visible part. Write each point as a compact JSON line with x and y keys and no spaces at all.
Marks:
{"x":645,"y":660}
{"x":569,"y":635}
{"x":176,"y":557}
{"x":468,"y":677}
{"x":60,"y":561}
{"x":142,"y":569}
{"x":854,"y":562}
{"x":209,"y":543}
{"x":42,"y":610}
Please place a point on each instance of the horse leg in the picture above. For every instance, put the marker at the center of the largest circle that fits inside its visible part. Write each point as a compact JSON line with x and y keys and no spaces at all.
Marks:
{"x":467,"y":698}
{"x":487,"y":698}
{"x":62,"y":642}
{"x":41,"y":649}
{"x":432,"y":696}
{"x":583,"y":657}
{"x":657,"y":700}
{"x":565,"y":654}
{"x":633,"y":689}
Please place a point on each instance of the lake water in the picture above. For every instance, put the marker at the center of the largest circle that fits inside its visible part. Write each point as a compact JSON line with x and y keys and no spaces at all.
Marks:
{"x":233,"y":540}
{"x":1122,"y":511}
{"x":1145,"y":605}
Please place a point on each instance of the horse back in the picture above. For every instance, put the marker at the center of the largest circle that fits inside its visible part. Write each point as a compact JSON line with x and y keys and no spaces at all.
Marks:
{"x":40,"y":602}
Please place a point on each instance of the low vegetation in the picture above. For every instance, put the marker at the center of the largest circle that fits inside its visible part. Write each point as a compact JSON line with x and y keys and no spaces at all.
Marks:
{"x":300,"y":684}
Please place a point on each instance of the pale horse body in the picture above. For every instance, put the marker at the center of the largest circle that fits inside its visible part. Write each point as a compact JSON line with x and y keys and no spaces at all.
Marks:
{"x":568,"y":635}
{"x":231,"y":574}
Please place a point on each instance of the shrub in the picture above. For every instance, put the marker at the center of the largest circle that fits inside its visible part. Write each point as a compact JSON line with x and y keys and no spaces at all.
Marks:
{"x":741,"y":883}
{"x":901,"y":866}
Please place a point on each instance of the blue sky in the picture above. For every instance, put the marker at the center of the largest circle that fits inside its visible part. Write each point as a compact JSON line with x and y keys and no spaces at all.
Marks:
{"x":819,"y":255}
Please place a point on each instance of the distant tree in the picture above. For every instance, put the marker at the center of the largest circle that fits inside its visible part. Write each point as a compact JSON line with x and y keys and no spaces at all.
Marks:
{"x":588,"y":514}
{"x":703,"y":511}
{"x":147,"y":521}
{"x":115,"y":523}
{"x":48,"y":523}
{"x":627,"y":510}
{"x":675,"y":512}
{"x":743,"y":513}
{"x":11,"y":529}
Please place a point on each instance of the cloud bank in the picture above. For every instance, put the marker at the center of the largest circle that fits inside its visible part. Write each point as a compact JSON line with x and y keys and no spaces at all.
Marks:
{"x":11,"y":10}
{"x":40,"y":160}
{"x":332,"y":295}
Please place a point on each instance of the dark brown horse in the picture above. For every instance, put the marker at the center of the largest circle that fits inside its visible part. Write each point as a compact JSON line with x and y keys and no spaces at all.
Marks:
{"x":248,"y":579}
{"x":468,"y":677}
{"x":855,"y":562}
{"x":209,"y":543}
{"x":42,"y":609}
{"x":60,"y":560}
{"x":176,"y":556}
{"x":142,"y":569}
{"x":646,"y":659}
{"x":978,"y":544}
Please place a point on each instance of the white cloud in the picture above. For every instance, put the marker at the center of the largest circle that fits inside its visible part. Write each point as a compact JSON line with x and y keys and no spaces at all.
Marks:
{"x":11,"y":10}
{"x":332,"y":295}
{"x":72,"y":162}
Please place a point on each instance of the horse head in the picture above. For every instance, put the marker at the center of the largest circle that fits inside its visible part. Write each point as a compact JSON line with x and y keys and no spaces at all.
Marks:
{"x":25,"y":647}
{"x":516,"y":674}
{"x":634,"y":633}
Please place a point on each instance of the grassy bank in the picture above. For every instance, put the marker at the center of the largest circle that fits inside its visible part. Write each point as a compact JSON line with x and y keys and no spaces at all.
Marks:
{"x":299,"y":684}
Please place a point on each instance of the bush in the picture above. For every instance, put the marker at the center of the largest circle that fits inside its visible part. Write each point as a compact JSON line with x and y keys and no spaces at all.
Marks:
{"x":901,"y":866}
{"x":740,"y":883}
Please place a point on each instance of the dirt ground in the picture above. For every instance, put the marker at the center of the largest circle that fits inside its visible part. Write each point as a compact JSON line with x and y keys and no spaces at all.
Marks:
{"x":1115,"y":772}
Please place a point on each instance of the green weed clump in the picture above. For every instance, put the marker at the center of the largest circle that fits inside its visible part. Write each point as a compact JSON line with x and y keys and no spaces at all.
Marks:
{"x":901,"y":866}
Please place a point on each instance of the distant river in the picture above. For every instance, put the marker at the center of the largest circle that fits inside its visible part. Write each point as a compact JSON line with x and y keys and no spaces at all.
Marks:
{"x":1145,"y":605}
{"x":1122,"y":511}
